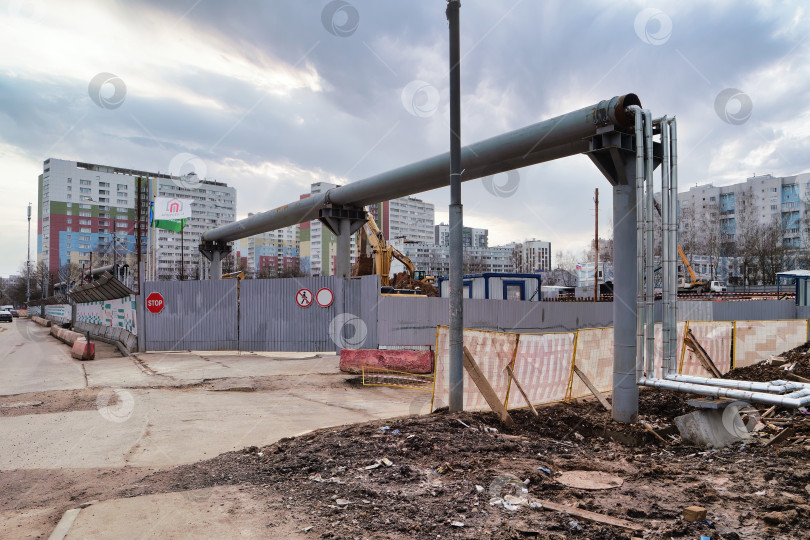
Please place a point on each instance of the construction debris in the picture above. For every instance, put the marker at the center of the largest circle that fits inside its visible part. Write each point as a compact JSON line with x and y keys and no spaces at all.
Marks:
{"x":694,"y":513}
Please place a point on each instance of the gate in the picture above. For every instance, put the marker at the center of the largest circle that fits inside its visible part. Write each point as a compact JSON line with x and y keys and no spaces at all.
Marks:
{"x":196,"y":315}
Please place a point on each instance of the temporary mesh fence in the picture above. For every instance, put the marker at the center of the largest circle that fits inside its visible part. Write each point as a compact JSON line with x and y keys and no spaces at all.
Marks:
{"x":544,"y":363}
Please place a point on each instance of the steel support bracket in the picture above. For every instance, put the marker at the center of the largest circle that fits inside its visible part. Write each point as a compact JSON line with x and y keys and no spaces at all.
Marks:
{"x":614,"y":153}
{"x":208,"y":248}
{"x":333,"y":214}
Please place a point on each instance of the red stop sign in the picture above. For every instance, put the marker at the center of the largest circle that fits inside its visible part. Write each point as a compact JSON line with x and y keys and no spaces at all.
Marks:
{"x":154,"y":302}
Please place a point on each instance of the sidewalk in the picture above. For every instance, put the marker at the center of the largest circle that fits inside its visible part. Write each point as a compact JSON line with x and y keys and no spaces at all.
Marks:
{"x":168,"y":409}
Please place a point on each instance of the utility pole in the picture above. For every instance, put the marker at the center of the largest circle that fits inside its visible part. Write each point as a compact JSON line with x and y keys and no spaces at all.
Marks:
{"x":182,"y":252}
{"x":28,"y":263}
{"x":596,"y":247}
{"x":456,"y":380}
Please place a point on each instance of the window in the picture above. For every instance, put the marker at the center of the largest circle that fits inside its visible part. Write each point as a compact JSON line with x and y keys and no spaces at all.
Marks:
{"x":69,"y":213}
{"x":84,"y":246}
{"x":69,"y":221}
{"x":122,"y":186}
{"x":84,"y":238}
{"x":70,"y":180}
{"x":70,"y":188}
{"x":85,"y":182}
{"x":86,"y":206}
{"x":85,"y":214}
{"x":103,"y":199}
{"x":103,"y":184}
{"x":69,"y":229}
{"x":85,"y":222}
{"x":85,"y":229}
{"x":122,"y":194}
{"x":121,"y":201}
{"x":104,"y":192}
{"x":86,"y":198}
{"x":68,"y":196}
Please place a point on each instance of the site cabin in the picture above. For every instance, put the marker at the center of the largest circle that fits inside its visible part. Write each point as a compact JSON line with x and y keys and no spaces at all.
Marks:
{"x":497,"y":286}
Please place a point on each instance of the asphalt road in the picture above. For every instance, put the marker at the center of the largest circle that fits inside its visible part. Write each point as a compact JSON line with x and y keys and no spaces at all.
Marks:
{"x":33,"y":361}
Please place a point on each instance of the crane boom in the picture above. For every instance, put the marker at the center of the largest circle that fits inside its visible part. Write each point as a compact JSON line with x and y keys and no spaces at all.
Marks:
{"x":695,"y":281}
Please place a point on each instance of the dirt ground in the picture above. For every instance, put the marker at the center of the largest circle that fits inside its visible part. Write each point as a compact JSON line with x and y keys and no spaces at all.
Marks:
{"x":468,"y":476}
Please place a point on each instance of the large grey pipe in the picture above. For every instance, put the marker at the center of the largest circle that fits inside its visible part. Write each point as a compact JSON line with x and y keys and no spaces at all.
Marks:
{"x":551,"y":139}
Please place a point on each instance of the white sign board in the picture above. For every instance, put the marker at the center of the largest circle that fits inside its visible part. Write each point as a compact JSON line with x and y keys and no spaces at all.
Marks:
{"x":172,"y":208}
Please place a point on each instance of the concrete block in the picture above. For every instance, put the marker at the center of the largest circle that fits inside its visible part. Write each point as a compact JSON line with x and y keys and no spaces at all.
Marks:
{"x":353,"y":360}
{"x":71,"y":337}
{"x":82,"y":350}
{"x":40,"y":321}
{"x":713,"y":428}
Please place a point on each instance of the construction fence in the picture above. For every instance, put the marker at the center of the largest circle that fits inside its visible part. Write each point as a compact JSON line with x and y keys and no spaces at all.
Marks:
{"x":544,"y":363}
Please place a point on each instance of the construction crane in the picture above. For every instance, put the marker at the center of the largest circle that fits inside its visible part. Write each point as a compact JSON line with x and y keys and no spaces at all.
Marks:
{"x":382,"y":255}
{"x":695,"y":285}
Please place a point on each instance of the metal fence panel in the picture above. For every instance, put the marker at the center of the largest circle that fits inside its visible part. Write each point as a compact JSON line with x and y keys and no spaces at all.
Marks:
{"x":762,"y":310}
{"x":272,"y":320}
{"x":197,"y":315}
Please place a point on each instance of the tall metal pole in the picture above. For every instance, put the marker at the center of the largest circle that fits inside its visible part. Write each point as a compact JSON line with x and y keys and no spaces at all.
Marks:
{"x":596,"y":246}
{"x":138,"y":223}
{"x":28,"y":263}
{"x":182,"y":253}
{"x":456,"y":218}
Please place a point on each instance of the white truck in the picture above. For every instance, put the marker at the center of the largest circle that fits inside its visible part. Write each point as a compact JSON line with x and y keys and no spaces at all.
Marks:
{"x":717,"y":287}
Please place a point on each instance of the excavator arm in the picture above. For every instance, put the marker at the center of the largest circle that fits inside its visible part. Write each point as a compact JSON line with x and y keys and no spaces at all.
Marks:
{"x":383,"y":253}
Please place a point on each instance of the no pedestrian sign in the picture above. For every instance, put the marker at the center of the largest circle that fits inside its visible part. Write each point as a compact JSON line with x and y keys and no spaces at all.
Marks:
{"x":154,"y":302}
{"x":303,"y":297}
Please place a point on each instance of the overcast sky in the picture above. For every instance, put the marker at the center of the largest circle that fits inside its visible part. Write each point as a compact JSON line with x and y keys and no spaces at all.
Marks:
{"x":270,"y":96}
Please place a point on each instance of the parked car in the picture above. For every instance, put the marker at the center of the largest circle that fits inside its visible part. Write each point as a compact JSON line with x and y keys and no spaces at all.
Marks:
{"x":14,"y":313}
{"x":5,"y":316}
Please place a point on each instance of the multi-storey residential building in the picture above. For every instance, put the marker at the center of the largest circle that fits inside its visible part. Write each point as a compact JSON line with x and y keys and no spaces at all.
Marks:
{"x":435,"y":260}
{"x":533,"y":256}
{"x":408,"y":219}
{"x":715,"y":220}
{"x":471,"y":237}
{"x":271,"y":251}
{"x":85,"y":209}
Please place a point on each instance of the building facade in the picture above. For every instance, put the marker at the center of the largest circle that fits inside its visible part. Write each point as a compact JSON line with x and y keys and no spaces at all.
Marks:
{"x":716,"y":221}
{"x":407,"y":219}
{"x":533,"y":256}
{"x":271,"y":252}
{"x":471,"y":237}
{"x":87,"y":209}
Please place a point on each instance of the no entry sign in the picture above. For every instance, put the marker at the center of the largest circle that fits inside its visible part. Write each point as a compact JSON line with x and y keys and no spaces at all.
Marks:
{"x":303,"y":297}
{"x":324,"y":297}
{"x":154,"y":302}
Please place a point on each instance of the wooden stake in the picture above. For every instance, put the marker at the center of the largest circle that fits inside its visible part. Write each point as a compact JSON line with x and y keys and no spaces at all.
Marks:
{"x":485,"y":388}
{"x":591,"y":516}
{"x":512,"y":374}
{"x":592,"y":388}
{"x":781,"y":436}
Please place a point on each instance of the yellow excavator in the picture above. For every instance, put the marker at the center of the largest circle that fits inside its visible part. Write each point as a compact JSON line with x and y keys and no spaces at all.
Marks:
{"x":382,"y":254}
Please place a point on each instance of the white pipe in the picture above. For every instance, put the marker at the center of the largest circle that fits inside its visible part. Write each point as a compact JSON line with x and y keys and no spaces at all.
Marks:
{"x":639,"y":135}
{"x":779,"y":387}
{"x":666,"y":352}
{"x":649,"y":292}
{"x":673,"y":240}
{"x":733,"y":393}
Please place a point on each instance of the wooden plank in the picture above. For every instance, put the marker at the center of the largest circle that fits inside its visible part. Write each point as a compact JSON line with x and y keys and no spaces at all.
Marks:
{"x":781,"y":436}
{"x":519,"y":387}
{"x":592,"y":388}
{"x":691,"y":341}
{"x":769,"y":412}
{"x":485,"y":388}
{"x":591,"y":516}
{"x":795,"y":377}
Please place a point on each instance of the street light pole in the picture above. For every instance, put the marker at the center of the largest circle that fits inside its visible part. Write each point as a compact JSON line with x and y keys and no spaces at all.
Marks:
{"x":28,"y":263}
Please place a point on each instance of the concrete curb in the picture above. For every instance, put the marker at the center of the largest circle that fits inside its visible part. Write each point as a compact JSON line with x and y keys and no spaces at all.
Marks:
{"x":121,"y":347}
{"x":64,"y":525}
